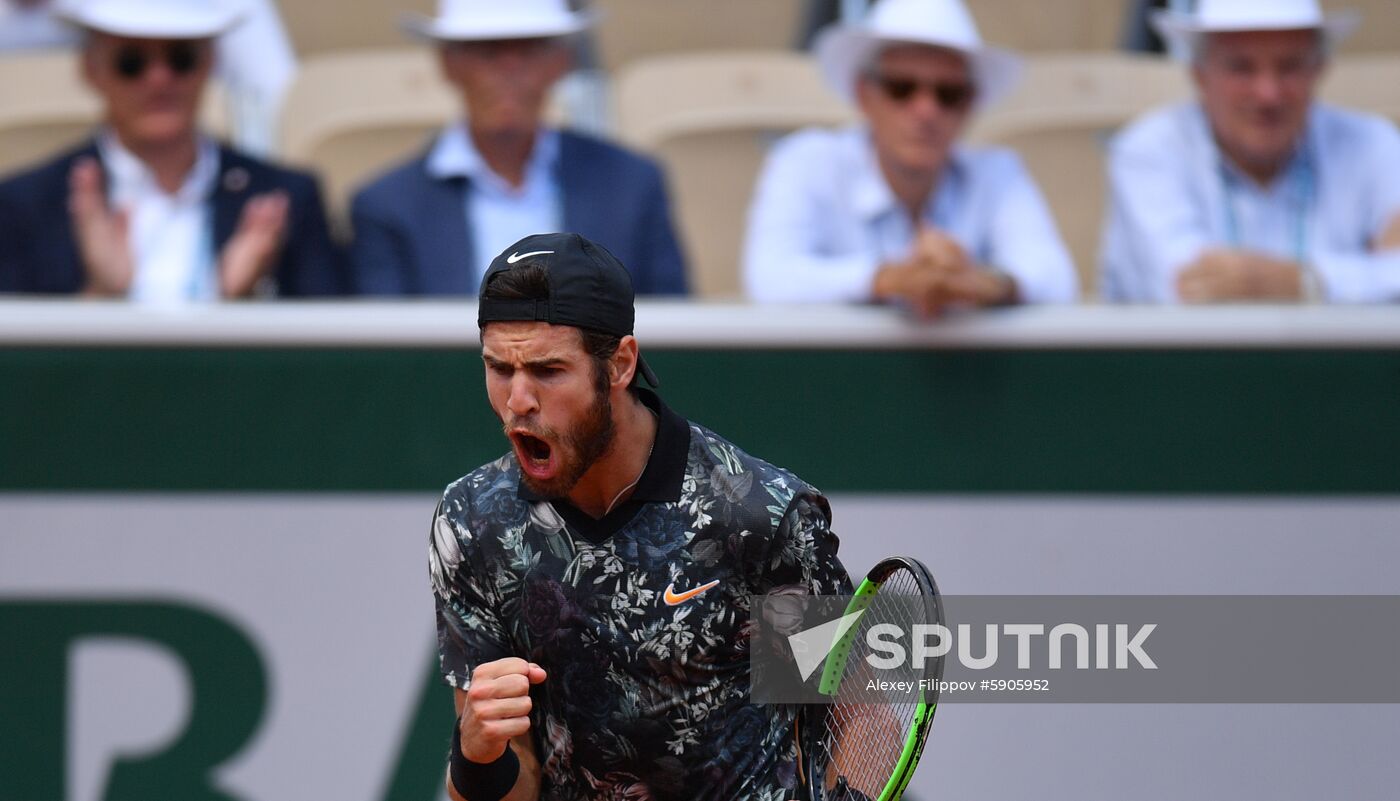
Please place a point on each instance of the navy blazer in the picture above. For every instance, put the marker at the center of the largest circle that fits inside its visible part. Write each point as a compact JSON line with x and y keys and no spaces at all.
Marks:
{"x":38,"y":253}
{"x":412,"y":238}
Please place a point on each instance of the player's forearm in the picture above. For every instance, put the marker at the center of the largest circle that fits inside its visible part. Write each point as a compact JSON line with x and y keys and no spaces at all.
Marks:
{"x":527,"y":784}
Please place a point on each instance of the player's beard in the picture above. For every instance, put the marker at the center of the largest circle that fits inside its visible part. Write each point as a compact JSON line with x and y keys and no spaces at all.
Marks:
{"x":577,"y":450}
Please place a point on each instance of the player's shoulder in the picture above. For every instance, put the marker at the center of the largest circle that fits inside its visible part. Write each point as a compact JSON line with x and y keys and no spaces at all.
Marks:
{"x":821,"y":151}
{"x":47,"y":177}
{"x":720,"y":467}
{"x":1352,"y":132}
{"x":578,"y":145}
{"x":387,"y":191}
{"x":989,"y":168}
{"x":1165,"y":131}
{"x":489,"y":490}
{"x":262,"y":173}
{"x":1347,"y":118}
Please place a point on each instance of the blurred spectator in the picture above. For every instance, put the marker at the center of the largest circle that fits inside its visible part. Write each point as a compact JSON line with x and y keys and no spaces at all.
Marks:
{"x":31,"y":25}
{"x":151,"y":209}
{"x":817,"y":15}
{"x":895,"y":209}
{"x":432,"y":225}
{"x":1254,"y":191}
{"x":1138,"y":33}
{"x":255,"y":62}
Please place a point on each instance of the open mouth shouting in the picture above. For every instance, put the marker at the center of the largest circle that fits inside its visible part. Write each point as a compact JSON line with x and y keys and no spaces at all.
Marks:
{"x":538,"y":457}
{"x":552,"y":460}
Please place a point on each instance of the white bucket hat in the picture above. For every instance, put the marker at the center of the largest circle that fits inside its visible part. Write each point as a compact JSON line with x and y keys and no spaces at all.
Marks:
{"x":152,"y":19}
{"x":472,"y":20}
{"x":843,"y":50}
{"x":1181,"y":29}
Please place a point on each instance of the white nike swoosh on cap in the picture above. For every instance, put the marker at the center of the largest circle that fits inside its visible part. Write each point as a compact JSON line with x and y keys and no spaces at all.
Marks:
{"x":514,"y":257}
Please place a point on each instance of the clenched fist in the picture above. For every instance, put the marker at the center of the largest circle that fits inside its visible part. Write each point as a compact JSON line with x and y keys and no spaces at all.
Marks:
{"x":497,"y":707}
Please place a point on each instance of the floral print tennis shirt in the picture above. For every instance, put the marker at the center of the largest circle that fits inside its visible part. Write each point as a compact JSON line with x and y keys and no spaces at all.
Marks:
{"x":641,"y":618}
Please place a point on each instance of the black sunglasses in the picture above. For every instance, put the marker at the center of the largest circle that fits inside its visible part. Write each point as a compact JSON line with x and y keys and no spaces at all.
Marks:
{"x":182,"y":58}
{"x":495,"y":48}
{"x":952,"y":96}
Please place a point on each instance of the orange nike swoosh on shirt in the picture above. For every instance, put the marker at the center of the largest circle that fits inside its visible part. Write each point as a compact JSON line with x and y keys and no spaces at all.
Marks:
{"x":671,"y":597}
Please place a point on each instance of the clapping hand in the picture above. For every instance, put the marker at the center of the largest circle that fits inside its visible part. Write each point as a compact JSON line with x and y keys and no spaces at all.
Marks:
{"x":250,"y":253}
{"x":101,"y":232}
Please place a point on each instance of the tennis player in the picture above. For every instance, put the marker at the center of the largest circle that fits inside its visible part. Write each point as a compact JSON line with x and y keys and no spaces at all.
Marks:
{"x":593,"y":584}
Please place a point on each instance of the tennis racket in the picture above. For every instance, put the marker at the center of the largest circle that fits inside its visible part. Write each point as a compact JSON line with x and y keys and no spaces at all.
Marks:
{"x":867,"y":749}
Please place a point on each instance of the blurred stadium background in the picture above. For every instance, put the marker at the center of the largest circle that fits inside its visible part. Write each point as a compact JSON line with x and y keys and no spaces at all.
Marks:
{"x":213,"y":521}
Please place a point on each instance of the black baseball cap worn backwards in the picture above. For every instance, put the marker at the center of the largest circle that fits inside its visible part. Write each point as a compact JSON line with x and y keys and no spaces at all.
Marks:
{"x":588,"y":288}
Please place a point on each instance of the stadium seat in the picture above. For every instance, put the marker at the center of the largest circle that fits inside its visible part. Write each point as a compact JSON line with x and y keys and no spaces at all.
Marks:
{"x":1378,"y":32}
{"x":45,"y":107}
{"x":709,"y":118}
{"x":319,"y":27}
{"x":631,"y":29}
{"x":1058,"y":25}
{"x":349,"y":116}
{"x":1059,"y":119}
{"x":1367,"y":82}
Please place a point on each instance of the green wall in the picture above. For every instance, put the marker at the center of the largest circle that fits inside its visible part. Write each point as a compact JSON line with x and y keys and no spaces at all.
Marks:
{"x":1111,"y":421}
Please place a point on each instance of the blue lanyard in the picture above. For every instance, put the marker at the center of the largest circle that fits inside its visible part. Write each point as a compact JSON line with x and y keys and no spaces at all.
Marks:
{"x":1302,"y":202}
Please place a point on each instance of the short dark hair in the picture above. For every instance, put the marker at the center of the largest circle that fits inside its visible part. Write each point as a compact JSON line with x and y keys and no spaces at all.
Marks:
{"x":530,"y":281}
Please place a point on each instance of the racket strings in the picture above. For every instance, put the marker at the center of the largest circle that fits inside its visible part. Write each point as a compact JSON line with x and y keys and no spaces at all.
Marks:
{"x":873,"y":713}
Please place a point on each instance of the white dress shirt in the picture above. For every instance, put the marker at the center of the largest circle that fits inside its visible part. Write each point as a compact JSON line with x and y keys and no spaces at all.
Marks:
{"x":170,"y":234}
{"x":498,"y":214}
{"x":1173,"y":195}
{"x":823,"y":220}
